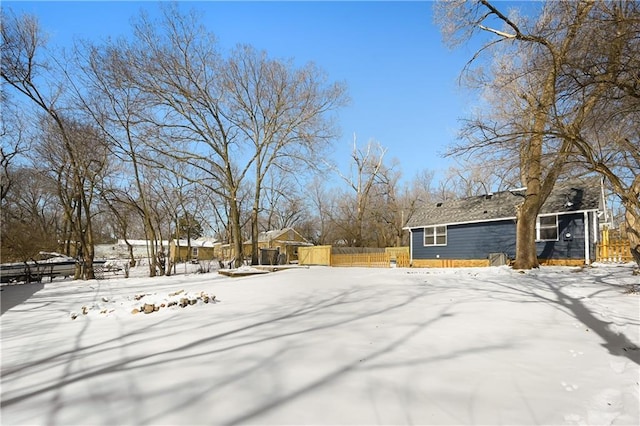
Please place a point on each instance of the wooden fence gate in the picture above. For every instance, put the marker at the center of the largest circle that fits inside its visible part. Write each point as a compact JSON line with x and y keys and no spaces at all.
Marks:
{"x":614,"y":251}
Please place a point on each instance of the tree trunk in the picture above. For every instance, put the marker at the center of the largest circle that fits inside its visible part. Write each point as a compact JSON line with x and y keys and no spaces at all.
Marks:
{"x":632,"y":218}
{"x":236,"y":235}
{"x":79,"y":241}
{"x":151,"y":243}
{"x":132,"y":258}
{"x":90,"y":252}
{"x":256,"y":207}
{"x":87,"y":236}
{"x":526,"y":253}
{"x":254,"y":236}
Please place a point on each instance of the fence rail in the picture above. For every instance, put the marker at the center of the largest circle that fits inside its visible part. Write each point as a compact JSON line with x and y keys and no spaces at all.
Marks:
{"x":614,"y":251}
{"x":369,"y":260}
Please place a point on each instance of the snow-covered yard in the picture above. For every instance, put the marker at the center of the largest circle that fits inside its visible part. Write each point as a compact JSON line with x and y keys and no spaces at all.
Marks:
{"x":326,"y":346}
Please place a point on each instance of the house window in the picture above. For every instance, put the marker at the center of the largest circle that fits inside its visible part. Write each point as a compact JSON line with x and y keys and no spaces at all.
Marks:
{"x":194,"y":251}
{"x":435,"y":236}
{"x":547,"y":228}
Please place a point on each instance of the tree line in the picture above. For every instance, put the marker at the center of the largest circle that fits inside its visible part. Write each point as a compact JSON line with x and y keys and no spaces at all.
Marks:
{"x":165,"y":135}
{"x":153,"y":136}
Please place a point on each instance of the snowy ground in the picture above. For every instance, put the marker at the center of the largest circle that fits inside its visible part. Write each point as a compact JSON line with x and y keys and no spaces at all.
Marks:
{"x":326,"y":346}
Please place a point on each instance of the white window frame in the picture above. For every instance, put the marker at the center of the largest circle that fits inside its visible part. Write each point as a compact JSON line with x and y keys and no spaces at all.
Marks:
{"x":540,"y":227}
{"x":432,"y":231}
{"x":194,"y":251}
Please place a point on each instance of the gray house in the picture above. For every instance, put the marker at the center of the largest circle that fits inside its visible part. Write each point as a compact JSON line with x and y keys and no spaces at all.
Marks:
{"x":482,"y":230}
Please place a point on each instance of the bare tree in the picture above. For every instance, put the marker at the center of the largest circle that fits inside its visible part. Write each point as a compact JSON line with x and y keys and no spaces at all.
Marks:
{"x":14,"y":143}
{"x":107,"y":93}
{"x":123,"y":214}
{"x":367,"y":171}
{"x":471,"y":178}
{"x":602,"y":82}
{"x":77,"y":181}
{"x":412,"y":197}
{"x":384,"y":224}
{"x":320,"y":204}
{"x":177,"y":65}
{"x":283,"y":204}
{"x":229,"y":120}
{"x":281,"y":112}
{"x":31,"y":220}
{"x":27,"y":70}
{"x":529,"y":93}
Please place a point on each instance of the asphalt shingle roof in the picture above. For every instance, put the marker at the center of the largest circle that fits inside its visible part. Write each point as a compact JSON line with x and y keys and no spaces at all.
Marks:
{"x":572,"y":195}
{"x":281,"y":235}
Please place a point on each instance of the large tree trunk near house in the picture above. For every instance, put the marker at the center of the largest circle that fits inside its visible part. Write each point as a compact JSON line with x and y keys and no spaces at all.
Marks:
{"x":526,"y":253}
{"x":632,"y":218}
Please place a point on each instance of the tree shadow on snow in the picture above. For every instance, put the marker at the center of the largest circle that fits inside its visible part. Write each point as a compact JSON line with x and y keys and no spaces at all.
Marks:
{"x":533,"y":288}
{"x":313,"y":316}
{"x":263,"y":327}
{"x":242,"y":339}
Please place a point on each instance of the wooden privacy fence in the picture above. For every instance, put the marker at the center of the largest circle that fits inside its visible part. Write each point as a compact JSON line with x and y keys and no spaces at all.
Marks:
{"x":614,"y":251}
{"x":368,"y":260}
{"x":349,"y":256}
{"x":315,"y":255}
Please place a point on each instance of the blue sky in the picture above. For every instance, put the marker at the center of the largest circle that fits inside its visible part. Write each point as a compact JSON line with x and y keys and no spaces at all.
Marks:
{"x":401,"y":79}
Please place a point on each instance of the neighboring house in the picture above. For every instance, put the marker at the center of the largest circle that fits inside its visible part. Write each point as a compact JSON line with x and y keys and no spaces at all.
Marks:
{"x":284,"y":242}
{"x":197,"y":249}
{"x":223,"y":252}
{"x":120,"y":250}
{"x":482,"y":230}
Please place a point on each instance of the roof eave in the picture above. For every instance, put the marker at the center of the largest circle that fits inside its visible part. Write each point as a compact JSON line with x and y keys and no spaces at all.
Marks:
{"x":499,"y":219}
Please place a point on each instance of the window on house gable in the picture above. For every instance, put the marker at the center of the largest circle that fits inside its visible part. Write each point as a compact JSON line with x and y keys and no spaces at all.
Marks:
{"x":435,"y":236}
{"x":547,"y":228}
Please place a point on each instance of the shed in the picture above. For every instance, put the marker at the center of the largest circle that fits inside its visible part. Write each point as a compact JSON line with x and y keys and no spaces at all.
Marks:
{"x":286,"y":241}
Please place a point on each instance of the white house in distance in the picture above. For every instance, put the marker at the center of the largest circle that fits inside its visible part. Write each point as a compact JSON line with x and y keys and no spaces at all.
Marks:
{"x":120,"y":250}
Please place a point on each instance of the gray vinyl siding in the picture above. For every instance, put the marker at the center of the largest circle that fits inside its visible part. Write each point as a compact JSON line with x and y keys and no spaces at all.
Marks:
{"x":478,"y":240}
